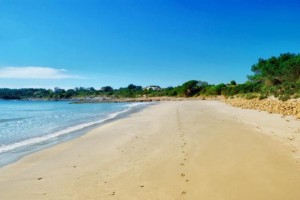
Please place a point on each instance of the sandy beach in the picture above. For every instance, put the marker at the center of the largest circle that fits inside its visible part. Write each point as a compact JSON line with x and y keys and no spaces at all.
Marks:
{"x":171,"y":150}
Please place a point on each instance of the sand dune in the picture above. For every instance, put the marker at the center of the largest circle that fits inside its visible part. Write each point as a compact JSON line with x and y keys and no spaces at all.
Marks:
{"x":172,"y":150}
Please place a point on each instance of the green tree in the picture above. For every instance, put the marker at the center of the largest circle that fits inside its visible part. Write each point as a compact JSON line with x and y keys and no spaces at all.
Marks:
{"x":107,"y":89}
{"x":190,"y":88}
{"x":232,"y":82}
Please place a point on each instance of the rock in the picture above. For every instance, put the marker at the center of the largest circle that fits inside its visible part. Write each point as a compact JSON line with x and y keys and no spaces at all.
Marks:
{"x":268,"y":105}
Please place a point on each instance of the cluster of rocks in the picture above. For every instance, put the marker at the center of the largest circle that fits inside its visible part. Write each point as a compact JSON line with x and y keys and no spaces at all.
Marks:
{"x":140,"y":99}
{"x":150,"y":99}
{"x":291,"y":107}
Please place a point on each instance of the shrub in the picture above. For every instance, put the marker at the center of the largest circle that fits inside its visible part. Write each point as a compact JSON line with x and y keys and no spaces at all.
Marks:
{"x":284,"y":97}
{"x":250,"y":96}
{"x":263,"y":96}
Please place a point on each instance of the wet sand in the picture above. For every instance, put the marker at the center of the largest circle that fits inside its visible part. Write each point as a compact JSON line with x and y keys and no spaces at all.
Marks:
{"x":172,"y":150}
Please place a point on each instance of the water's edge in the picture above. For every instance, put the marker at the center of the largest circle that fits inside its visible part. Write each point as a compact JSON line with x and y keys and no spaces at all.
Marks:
{"x":9,"y":157}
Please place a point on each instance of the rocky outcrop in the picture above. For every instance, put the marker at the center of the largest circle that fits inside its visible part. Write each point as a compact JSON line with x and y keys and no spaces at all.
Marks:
{"x":140,"y":99}
{"x":291,"y":107}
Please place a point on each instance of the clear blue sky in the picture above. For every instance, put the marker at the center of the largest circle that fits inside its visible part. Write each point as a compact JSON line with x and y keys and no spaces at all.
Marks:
{"x":93,"y":43}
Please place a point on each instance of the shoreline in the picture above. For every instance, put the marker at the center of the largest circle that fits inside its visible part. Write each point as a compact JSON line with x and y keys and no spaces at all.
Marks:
{"x":272,"y":105}
{"x":171,"y":150}
{"x":36,"y":144}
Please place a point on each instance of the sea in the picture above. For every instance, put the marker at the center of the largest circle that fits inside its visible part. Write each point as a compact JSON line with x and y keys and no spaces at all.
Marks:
{"x":30,"y":126}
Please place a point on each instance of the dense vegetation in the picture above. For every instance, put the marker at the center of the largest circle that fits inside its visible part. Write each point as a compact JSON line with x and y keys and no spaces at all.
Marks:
{"x":278,"y":76}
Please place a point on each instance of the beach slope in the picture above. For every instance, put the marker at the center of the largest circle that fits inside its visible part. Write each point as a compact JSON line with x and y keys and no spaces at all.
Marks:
{"x":171,"y":150}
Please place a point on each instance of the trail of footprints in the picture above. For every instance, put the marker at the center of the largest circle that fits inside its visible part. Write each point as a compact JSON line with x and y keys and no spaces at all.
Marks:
{"x":184,"y":159}
{"x":183,"y":152}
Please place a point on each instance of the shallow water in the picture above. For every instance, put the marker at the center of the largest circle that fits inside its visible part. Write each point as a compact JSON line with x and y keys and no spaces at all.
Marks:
{"x":28,"y":126}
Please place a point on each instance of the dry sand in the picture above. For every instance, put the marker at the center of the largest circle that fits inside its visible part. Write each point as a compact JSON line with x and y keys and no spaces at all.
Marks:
{"x":172,"y":150}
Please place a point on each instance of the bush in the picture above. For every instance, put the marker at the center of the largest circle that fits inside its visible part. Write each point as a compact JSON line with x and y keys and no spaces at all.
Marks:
{"x":263,"y":96}
{"x":284,"y":97}
{"x":296,"y":96}
{"x":250,"y":96}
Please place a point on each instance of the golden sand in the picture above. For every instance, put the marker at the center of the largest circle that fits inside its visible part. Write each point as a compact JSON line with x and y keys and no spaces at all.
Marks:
{"x":171,"y":150}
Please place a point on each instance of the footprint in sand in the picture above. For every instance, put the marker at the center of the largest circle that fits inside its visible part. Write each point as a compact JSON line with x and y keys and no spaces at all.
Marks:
{"x":182,"y":175}
{"x":187,"y":180}
{"x":181,"y":164}
{"x":183,"y":192}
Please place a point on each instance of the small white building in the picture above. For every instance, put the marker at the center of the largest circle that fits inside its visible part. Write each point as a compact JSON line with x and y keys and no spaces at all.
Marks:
{"x":152,"y":87}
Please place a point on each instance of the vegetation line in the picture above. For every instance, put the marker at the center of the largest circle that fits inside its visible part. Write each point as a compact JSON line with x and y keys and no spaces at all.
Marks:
{"x":278,"y":76}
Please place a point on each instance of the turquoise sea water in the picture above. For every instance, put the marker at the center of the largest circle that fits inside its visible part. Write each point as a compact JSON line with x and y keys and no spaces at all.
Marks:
{"x":28,"y":126}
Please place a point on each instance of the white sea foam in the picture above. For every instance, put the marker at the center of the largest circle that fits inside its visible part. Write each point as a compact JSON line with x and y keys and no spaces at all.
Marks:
{"x":32,"y":141}
{"x":136,"y":104}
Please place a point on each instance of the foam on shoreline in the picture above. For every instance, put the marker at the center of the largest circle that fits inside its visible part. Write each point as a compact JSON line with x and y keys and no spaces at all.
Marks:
{"x":19,"y":149}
